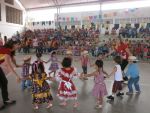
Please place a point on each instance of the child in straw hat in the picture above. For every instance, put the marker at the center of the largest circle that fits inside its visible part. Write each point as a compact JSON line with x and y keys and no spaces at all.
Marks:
{"x":84,"y":62}
{"x":133,"y":74}
{"x":26,"y":83}
{"x":69,"y":54}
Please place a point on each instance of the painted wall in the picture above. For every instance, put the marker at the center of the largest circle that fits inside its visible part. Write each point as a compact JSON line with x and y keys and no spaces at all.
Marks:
{"x":9,"y":29}
{"x":121,"y":17}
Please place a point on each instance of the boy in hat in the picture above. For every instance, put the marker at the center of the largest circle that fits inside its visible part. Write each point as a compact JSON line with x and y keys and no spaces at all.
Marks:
{"x":26,"y":83}
{"x":69,"y":54}
{"x":133,"y":74}
{"x":84,"y":62}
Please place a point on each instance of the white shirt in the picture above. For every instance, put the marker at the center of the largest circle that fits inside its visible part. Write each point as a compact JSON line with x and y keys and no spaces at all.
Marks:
{"x":118,"y":73}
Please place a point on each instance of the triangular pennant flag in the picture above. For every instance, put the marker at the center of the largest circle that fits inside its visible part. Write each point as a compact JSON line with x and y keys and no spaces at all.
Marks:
{"x":43,"y":23}
{"x":49,"y":22}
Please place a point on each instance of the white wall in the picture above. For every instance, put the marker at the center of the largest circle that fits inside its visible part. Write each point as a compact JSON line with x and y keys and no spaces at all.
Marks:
{"x":9,"y":29}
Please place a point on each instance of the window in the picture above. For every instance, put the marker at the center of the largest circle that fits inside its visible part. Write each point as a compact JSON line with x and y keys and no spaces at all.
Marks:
{"x":14,"y":15}
{"x":9,"y":2}
{"x":0,"y":12}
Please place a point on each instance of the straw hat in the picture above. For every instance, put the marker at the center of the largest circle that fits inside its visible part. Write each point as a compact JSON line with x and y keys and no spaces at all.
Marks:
{"x":132,"y":58}
{"x":27,"y":58}
{"x":69,"y":52}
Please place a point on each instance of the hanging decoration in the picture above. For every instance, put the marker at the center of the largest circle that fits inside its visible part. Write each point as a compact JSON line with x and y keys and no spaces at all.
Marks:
{"x":49,"y":22}
{"x":33,"y":23}
{"x":105,"y":15}
{"x":67,"y":19}
{"x":90,"y":17}
{"x":72,"y":19}
{"x":64,"y":18}
{"x":76,"y":19}
{"x":43,"y":23}
{"x":95,"y":17}
{"x":114,"y":13}
{"x":100,"y":16}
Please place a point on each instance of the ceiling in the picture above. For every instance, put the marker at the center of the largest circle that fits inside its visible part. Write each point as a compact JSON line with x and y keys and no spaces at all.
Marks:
{"x":33,"y":4}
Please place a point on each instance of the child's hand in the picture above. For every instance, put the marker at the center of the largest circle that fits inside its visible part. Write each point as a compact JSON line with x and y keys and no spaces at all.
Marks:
{"x":81,"y":75}
{"x":91,"y":65}
{"x":108,"y":76}
{"x":51,"y":78}
{"x":18,"y":79}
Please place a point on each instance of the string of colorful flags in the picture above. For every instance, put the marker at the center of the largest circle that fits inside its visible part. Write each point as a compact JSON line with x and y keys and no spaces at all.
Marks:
{"x":96,"y":17}
{"x":43,"y":23}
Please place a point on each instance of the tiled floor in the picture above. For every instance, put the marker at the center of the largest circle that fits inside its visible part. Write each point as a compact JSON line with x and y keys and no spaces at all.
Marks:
{"x":127,"y":104}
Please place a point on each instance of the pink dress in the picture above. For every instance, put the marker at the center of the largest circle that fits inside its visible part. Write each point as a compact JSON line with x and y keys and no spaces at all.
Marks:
{"x":99,"y":89}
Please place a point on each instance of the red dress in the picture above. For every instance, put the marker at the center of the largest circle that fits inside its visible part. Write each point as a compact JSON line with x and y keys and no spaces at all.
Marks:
{"x":66,"y":89}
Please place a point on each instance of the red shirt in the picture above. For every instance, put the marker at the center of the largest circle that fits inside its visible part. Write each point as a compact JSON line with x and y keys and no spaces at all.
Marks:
{"x":4,"y":51}
{"x":121,"y":49}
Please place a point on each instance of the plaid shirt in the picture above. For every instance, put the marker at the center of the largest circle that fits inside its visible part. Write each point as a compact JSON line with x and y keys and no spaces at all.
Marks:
{"x":25,"y":70}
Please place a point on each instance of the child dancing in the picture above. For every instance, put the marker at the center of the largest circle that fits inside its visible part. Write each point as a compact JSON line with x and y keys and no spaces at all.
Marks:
{"x":118,"y":78}
{"x":40,"y":88}
{"x":66,"y":90}
{"x":99,"y":89}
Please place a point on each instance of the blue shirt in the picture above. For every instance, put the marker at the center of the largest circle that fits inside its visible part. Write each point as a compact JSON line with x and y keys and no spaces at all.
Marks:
{"x":133,"y":70}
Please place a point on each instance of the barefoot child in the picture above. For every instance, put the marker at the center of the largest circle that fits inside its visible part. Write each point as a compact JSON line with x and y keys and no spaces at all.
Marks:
{"x":99,"y":90}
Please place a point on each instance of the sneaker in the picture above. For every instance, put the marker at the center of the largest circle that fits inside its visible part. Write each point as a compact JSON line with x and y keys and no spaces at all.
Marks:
{"x":138,"y":92}
{"x":10,"y":102}
{"x":2,"y":107}
{"x":129,"y":93}
{"x":36,"y":107}
{"x":119,"y":94}
{"x":110,"y":97}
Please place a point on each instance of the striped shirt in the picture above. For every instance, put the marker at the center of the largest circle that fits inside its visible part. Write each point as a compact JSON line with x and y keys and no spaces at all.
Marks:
{"x":25,"y":70}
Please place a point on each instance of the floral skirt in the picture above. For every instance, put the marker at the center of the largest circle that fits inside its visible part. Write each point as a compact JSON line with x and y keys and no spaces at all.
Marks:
{"x":41,"y":93}
{"x":67,"y":91}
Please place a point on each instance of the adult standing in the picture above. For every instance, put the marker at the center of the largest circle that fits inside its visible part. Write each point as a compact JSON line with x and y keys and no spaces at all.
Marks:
{"x":122,"y":49}
{"x":7,"y":53}
{"x":1,"y":42}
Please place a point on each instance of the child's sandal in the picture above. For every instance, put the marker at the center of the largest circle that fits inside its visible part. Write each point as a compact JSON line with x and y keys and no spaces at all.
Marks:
{"x":76,"y":105}
{"x":99,"y":107}
{"x":63,"y":104}
{"x":49,"y":106}
{"x":36,"y":107}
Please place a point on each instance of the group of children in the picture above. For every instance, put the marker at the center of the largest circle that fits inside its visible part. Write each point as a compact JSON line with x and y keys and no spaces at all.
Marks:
{"x":67,"y":89}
